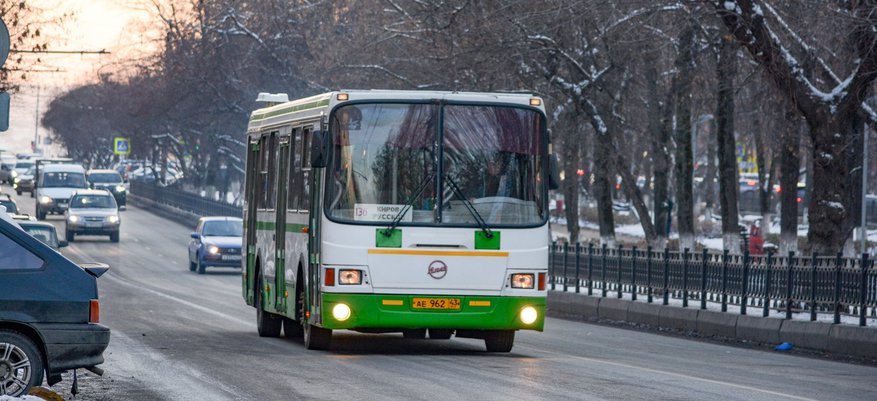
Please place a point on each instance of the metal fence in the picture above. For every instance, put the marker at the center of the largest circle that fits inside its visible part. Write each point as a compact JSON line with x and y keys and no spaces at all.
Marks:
{"x":842,"y":286}
{"x":187,"y":201}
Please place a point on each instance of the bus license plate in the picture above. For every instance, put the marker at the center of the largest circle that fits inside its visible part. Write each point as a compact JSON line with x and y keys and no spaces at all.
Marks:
{"x":436,"y":303}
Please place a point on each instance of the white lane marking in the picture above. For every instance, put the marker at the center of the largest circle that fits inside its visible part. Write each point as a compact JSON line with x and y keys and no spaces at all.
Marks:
{"x":666,"y":373}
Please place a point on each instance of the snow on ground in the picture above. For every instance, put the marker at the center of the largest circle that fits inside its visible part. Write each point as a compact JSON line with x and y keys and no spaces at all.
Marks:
{"x":25,"y":398}
{"x":693,"y":303}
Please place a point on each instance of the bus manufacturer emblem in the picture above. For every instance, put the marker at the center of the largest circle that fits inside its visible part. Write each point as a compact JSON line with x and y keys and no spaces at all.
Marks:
{"x":437,"y":269}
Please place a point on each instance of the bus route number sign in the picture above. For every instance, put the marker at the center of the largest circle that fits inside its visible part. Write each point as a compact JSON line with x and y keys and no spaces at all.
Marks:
{"x":379,"y":212}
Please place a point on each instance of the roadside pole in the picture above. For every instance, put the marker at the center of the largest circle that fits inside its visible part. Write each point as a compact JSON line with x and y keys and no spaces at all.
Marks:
{"x":864,"y":229}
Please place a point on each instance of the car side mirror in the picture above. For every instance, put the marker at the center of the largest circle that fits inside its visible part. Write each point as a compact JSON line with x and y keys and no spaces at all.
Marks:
{"x":318,"y":146}
{"x":553,"y":174}
{"x":195,"y":236}
{"x":62,"y":244}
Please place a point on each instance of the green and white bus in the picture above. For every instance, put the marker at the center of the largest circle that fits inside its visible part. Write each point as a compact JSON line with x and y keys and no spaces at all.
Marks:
{"x":398,"y":211}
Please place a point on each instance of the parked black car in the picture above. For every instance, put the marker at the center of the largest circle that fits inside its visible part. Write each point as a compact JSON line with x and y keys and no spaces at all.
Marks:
{"x":49,"y":313}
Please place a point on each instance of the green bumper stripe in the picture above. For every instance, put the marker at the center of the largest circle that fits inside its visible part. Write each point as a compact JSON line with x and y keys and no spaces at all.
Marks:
{"x":370,"y":311}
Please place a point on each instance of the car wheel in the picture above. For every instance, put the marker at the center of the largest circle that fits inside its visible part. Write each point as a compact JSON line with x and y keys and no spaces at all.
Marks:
{"x":71,"y":236}
{"x":499,"y":340}
{"x":201,"y":267}
{"x":114,"y":237}
{"x":192,"y":266}
{"x":21,"y":366}
{"x":18,"y":192}
{"x":440,"y":334}
{"x":41,"y":215}
{"x":267,"y":324}
{"x":414,"y":334}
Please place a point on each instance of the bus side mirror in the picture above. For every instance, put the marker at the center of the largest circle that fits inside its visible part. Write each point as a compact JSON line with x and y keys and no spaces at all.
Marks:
{"x":553,"y":174}
{"x":318,"y":147}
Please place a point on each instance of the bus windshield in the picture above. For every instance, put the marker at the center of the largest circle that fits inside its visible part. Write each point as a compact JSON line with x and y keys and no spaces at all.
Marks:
{"x":386,"y":156}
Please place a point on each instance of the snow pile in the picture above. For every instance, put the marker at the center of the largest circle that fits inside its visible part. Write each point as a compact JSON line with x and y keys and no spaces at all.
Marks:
{"x":24,"y":398}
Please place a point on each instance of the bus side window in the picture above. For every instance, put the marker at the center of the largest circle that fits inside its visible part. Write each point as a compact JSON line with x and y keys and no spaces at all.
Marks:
{"x":294,"y":174}
{"x":305,"y":164}
{"x":262,"y":183}
{"x":272,"y":171}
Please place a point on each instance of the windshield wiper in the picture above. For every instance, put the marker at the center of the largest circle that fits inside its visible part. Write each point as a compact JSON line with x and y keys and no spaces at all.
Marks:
{"x":471,"y":208}
{"x":388,"y":232}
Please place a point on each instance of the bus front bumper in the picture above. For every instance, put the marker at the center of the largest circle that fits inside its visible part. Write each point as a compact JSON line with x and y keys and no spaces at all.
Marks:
{"x":385,"y":311}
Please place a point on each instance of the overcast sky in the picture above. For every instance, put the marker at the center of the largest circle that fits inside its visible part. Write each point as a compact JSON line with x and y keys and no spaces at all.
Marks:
{"x":114,"y":25}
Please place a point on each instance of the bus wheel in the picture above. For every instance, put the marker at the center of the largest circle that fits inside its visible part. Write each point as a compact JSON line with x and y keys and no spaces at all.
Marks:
{"x":499,"y":340}
{"x":267,"y":324}
{"x":440,"y":334}
{"x":414,"y":334}
{"x":317,"y":338}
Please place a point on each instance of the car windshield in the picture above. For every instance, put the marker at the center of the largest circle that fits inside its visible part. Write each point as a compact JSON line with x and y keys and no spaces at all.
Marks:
{"x":23,"y":165}
{"x":45,"y":234}
{"x":386,"y":164}
{"x":10,"y":206}
{"x":62,"y":180}
{"x":92,"y":202}
{"x":223,"y":228}
{"x":104,"y":178}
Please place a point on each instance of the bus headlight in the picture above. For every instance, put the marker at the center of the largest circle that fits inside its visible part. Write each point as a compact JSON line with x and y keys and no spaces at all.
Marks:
{"x":523,"y":280}
{"x":349,"y":277}
{"x":341,"y":312}
{"x":529,"y":315}
{"x":45,"y":200}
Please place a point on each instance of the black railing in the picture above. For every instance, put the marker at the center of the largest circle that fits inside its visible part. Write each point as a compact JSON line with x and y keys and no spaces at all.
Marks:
{"x":837,"y":285}
{"x":187,"y":201}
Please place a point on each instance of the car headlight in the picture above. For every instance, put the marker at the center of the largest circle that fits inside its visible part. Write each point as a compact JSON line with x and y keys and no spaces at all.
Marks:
{"x":120,"y":188}
{"x":349,"y":277}
{"x":213,"y":249}
{"x":523,"y":280}
{"x":45,"y":200}
{"x":73,"y":219}
{"x":14,"y":174}
{"x":16,"y":180}
{"x":113,"y":219}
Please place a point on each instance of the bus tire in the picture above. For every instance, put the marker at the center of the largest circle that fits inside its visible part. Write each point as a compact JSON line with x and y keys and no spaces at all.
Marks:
{"x":440,"y":334}
{"x":414,"y":334}
{"x":267,"y":324}
{"x":499,"y":340}
{"x":317,"y":338}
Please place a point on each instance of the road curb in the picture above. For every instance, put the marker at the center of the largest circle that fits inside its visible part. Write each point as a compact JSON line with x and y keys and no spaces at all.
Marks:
{"x":711,"y":323}
{"x":836,"y":338}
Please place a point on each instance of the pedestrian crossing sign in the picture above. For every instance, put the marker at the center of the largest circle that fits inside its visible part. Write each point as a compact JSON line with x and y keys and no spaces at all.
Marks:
{"x":121,"y":146}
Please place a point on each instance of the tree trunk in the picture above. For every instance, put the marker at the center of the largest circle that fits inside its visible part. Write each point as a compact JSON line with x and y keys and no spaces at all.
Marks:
{"x":684,"y":157}
{"x":570,"y":153}
{"x":830,"y":216}
{"x":765,"y":174}
{"x":659,"y":131}
{"x":790,"y":161}
{"x":603,"y":188}
{"x":726,"y":68}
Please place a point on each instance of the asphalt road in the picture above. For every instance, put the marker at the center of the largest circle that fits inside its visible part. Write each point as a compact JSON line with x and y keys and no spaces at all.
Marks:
{"x":178,"y":335}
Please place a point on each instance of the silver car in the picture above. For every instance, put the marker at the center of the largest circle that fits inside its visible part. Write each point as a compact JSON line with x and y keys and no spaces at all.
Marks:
{"x":92,"y":212}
